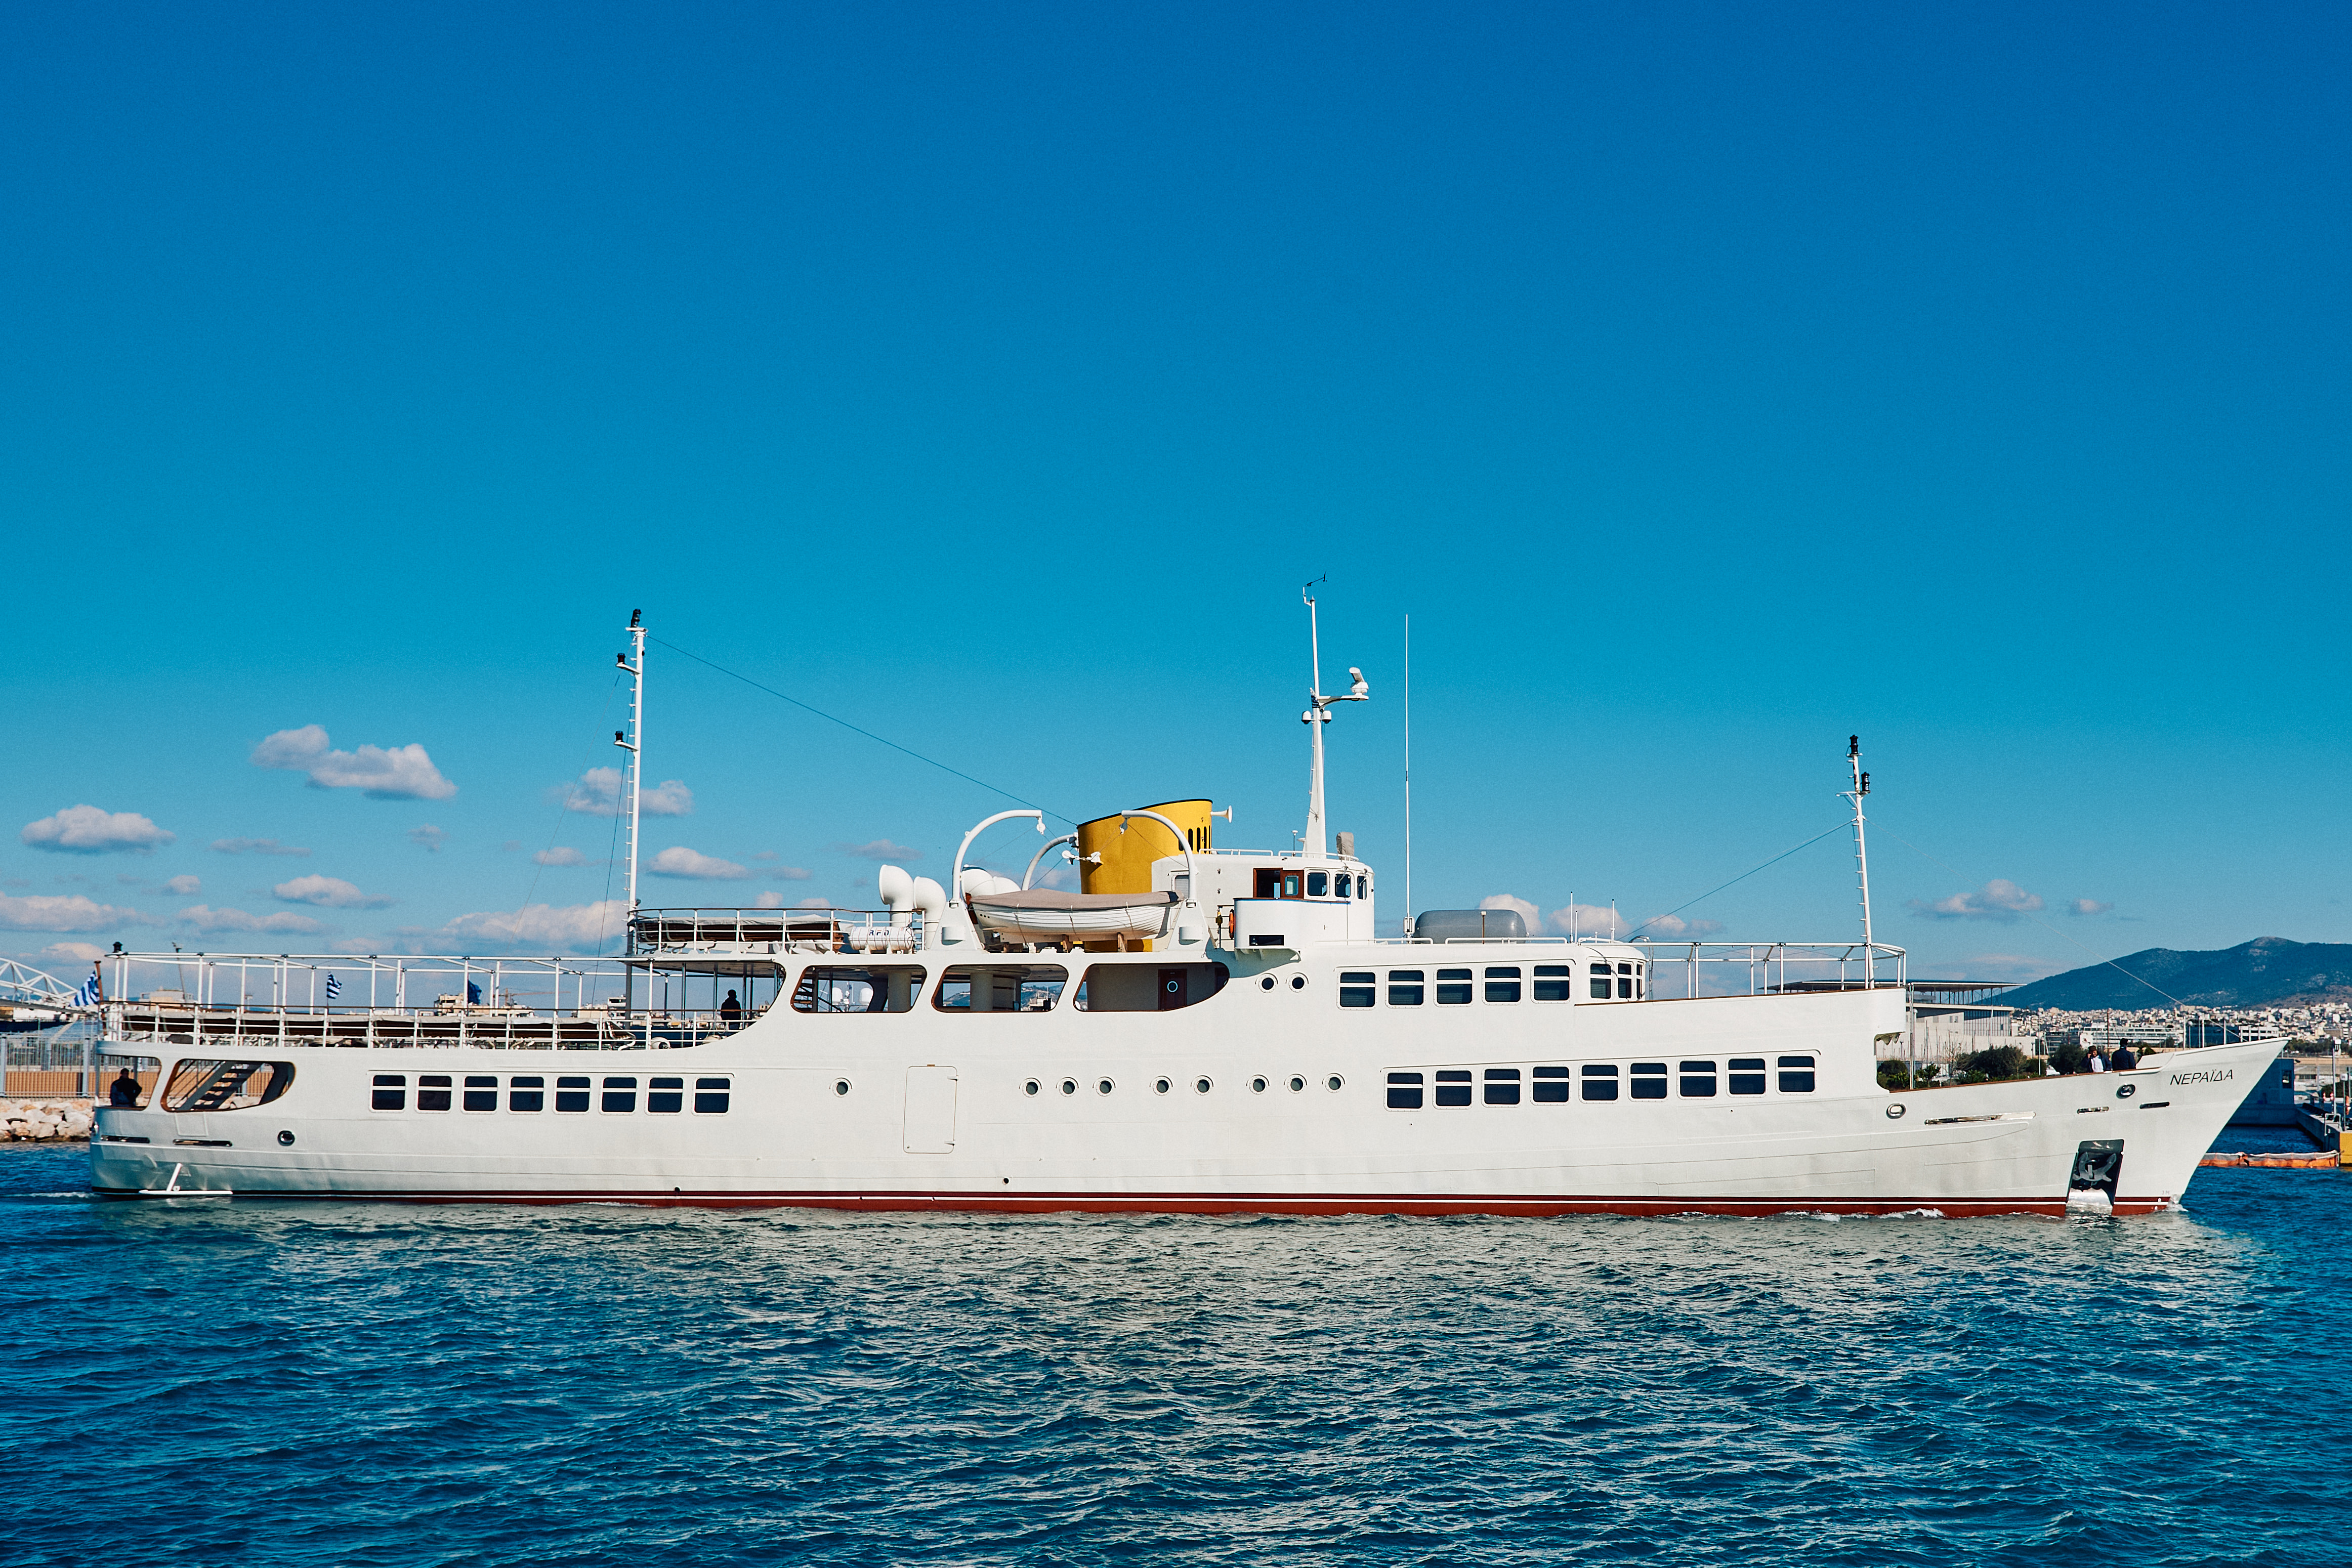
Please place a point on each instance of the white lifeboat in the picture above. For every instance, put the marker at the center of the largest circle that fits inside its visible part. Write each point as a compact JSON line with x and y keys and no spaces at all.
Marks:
{"x":1044,"y":914}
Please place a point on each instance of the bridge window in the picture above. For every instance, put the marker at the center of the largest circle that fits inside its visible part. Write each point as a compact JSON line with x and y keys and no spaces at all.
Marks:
{"x":1550,"y":1085}
{"x":1649,"y":1080}
{"x":572,"y":1094}
{"x":666,"y":1096}
{"x":1748,"y":1075}
{"x":1404,"y":1091}
{"x":1344,"y":886}
{"x":1453,"y":988}
{"x":1005,"y":989}
{"x":857,"y":989}
{"x":1698,"y":1080}
{"x":1502,"y":1086}
{"x":1796,"y":1075}
{"x":482,"y":1093}
{"x":433,"y":1092}
{"x":1319,"y":884}
{"x":391,"y":1092}
{"x":1404,"y":987}
{"x":1555,"y":982}
{"x":1453,"y":1088}
{"x":620,"y":1094}
{"x":526,"y":1093}
{"x":1359,"y":988}
{"x":1503,"y":984}
{"x":1364,"y":885}
{"x":1625,"y":981}
{"x":1600,"y":982}
{"x":1600,"y":1084}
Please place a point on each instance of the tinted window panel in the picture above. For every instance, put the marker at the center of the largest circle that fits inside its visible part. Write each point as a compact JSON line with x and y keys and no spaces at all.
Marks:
{"x":1649,"y":1080}
{"x":1698,"y":1080}
{"x":1502,"y":1086}
{"x":1600,"y":992}
{"x":1600,"y":1084}
{"x":1796,"y":1075}
{"x":1554,"y":983}
{"x":1503,"y":984}
{"x":1550,"y":1085}
{"x":710,"y":1096}
{"x":1404,"y":987}
{"x":1404,"y":1091}
{"x":433,"y":1092}
{"x":481,"y":1094}
{"x":1747,"y":1075}
{"x":666,"y":1095}
{"x":389,"y":1100}
{"x":572,"y":1094}
{"x":620,"y":1094}
{"x":1453,"y":988}
{"x":1358,"y":988}
{"x":1453,"y":1088}
{"x":1319,"y":884}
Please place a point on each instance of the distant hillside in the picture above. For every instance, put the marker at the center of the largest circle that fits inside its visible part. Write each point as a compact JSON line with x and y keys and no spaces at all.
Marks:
{"x":2266,"y":972}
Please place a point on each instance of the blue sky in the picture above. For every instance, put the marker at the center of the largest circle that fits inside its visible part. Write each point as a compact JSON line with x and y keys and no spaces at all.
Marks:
{"x":1708,"y":383}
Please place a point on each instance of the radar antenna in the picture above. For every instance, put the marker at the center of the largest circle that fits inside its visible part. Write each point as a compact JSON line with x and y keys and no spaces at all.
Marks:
{"x":1318,"y":714}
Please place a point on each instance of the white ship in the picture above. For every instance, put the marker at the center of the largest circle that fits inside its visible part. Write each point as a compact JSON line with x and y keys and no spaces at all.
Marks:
{"x":1198,"y":1029}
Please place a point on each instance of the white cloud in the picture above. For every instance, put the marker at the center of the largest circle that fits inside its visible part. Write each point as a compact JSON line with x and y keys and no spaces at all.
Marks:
{"x":577,"y":929}
{"x":1528,"y":912}
{"x":183,"y":886}
{"x":398,"y":773}
{"x":597,"y":793}
{"x":558,"y":857}
{"x":2087,"y":906}
{"x":815,"y":903}
{"x":71,"y":911}
{"x":880,"y":850}
{"x":91,"y":831}
{"x":1062,"y":877}
{"x":258,"y":847}
{"x":207,"y":919}
{"x":327,"y":891}
{"x":427,"y":836}
{"x":1671,"y":925}
{"x":1999,"y":899}
{"x":1585,"y":919}
{"x":73,"y":953}
{"x":680,"y":861}
{"x":788,"y":873}
{"x":768,"y":899}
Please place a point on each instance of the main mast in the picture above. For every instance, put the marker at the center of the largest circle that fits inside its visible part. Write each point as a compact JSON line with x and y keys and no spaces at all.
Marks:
{"x":632,"y":739}
{"x":1318,"y":714}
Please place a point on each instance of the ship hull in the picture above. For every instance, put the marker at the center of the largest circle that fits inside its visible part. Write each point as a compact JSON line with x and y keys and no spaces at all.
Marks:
{"x":929,"y":1111}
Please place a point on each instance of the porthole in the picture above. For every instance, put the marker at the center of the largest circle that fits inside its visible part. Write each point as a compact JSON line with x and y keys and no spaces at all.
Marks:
{"x":1104,"y":1086}
{"x":1160,"y":1086}
{"x":1200,"y":1086}
{"x":1895,"y":1112}
{"x":2126,"y":1090}
{"x":1297,"y":982}
{"x":1335,"y":1083}
{"x":285,"y":1140}
{"x":1267,"y":984}
{"x":840,"y":1086}
{"x":1296,"y":1083}
{"x":1069,"y":1086}
{"x":1029,"y":1087}
{"x":1258,"y":1085}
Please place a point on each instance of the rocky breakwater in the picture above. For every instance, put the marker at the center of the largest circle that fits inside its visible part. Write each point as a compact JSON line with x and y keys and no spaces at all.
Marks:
{"x":44,"y":1121}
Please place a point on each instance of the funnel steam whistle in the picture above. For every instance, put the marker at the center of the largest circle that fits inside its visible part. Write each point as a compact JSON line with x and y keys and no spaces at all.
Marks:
{"x":1318,"y":714}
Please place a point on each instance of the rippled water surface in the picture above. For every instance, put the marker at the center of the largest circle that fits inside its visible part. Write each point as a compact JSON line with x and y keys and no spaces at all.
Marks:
{"x":260,"y":1384}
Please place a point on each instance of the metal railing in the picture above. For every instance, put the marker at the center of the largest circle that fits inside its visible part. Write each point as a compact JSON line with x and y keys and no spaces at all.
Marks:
{"x":1761,"y":969}
{"x":767,"y":932}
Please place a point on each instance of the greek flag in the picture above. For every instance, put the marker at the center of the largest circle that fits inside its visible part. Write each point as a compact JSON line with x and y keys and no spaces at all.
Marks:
{"x":334,"y":985}
{"x":88,"y":996}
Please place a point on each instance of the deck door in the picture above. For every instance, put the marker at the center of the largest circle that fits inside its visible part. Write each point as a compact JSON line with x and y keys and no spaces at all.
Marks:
{"x":931,"y":1110}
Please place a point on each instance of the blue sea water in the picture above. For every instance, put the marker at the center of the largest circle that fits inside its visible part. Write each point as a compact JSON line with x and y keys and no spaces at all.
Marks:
{"x":264,"y":1384}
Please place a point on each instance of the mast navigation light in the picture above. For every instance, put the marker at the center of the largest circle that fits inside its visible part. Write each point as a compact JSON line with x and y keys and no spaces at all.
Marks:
{"x":633,"y":618}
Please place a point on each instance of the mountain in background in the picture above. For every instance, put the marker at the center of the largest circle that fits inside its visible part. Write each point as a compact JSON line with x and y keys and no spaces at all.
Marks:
{"x":2269,"y":971}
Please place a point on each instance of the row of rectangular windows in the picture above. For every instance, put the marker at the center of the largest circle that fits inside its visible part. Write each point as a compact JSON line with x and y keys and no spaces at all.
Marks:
{"x":1503,"y":983}
{"x":1647,"y":1080}
{"x":435,"y":1091}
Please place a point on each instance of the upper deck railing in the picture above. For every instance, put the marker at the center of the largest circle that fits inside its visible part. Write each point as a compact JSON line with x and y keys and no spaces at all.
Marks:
{"x":761,"y":933}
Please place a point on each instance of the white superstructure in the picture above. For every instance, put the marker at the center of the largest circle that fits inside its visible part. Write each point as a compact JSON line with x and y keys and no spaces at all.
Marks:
{"x":1199,"y":1029}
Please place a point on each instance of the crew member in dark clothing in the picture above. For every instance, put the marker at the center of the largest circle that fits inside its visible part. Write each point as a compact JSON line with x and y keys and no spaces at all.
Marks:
{"x":2124,"y":1059}
{"x":730,"y":1011}
{"x":124,"y":1091}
